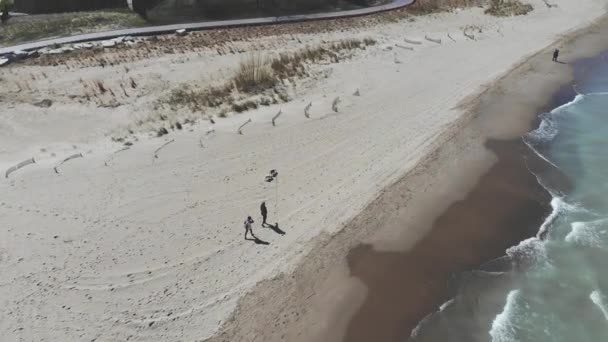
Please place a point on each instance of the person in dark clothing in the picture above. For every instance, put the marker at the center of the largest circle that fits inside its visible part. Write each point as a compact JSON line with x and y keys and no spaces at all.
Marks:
{"x":555,"y":55}
{"x":4,"y":16}
{"x":248,"y":222}
{"x":264,"y":212}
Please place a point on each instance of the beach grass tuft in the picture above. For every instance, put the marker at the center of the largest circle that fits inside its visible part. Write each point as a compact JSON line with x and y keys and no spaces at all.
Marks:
{"x":506,"y":8}
{"x":254,"y":75}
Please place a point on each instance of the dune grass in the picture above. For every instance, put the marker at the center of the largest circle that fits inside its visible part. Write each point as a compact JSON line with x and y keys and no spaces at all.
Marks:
{"x":500,"y":8}
{"x":506,"y":8}
{"x":259,"y":76}
{"x":423,"y":7}
{"x":37,"y":27}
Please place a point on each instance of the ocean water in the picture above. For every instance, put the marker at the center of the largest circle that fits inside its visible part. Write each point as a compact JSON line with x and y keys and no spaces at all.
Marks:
{"x":552,"y":287}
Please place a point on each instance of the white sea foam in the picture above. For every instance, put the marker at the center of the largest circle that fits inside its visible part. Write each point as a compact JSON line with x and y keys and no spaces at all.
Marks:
{"x":530,"y":252}
{"x":591,"y":233}
{"x":599,"y":300}
{"x":556,"y":205}
{"x":559,"y":206}
{"x":503,"y":327}
{"x":577,"y":99}
{"x":445,"y":305}
{"x":546,"y":131}
{"x":548,"y":128}
{"x":416,"y":331}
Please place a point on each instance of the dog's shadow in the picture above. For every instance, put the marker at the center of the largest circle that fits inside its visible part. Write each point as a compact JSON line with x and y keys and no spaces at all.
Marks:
{"x":275,"y":228}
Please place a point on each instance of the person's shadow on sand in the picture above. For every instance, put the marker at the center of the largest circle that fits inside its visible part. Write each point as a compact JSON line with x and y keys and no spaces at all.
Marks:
{"x":257,"y":241}
{"x":275,"y":228}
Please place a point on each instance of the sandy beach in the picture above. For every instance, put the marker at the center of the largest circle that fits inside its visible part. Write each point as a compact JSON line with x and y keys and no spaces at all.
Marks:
{"x":144,"y":242}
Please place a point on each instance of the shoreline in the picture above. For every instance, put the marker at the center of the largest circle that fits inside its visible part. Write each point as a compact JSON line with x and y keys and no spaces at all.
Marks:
{"x":505,"y":207}
{"x":328,"y":315}
{"x":512,"y":186}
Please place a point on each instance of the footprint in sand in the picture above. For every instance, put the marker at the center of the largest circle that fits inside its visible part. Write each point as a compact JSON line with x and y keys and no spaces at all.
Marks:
{"x":4,"y":257}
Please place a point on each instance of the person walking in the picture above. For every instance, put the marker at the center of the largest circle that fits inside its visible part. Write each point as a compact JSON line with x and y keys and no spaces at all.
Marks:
{"x":555,"y":55}
{"x":248,"y":222}
{"x":264,"y":212}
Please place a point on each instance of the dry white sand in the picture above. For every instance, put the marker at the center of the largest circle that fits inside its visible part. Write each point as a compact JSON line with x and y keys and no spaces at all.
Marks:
{"x":125,"y":246}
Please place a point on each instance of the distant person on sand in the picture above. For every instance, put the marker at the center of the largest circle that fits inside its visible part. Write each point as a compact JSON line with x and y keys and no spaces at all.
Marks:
{"x":264,"y":212}
{"x":5,"y":6}
{"x":4,"y":15}
{"x":555,"y":55}
{"x":248,"y":222}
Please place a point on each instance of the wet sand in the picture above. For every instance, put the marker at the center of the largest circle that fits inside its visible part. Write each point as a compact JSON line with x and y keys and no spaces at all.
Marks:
{"x":507,"y":206}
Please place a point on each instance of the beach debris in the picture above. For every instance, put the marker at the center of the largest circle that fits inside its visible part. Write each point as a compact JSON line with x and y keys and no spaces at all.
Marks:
{"x":162,"y":131}
{"x":19,"y":54}
{"x":46,"y":103}
{"x":56,"y":51}
{"x":116,"y":152}
{"x":411,"y":41}
{"x":549,"y":5}
{"x":397,"y":61}
{"x":240,"y":130}
{"x":82,"y":46}
{"x":405,"y":47}
{"x":357,"y":93}
{"x":335,"y":103}
{"x":122,"y":149}
{"x":307,"y":110}
{"x":161,"y":147}
{"x":274,"y":118}
{"x":19,"y":166}
{"x":181,"y":32}
{"x":272,"y":175}
{"x":74,"y":156}
{"x":108,"y":43}
{"x":210,"y":130}
{"x":434,"y":40}
{"x":470,"y":36}
{"x":449,"y":36}
{"x":4,"y":62}
{"x":119,"y":40}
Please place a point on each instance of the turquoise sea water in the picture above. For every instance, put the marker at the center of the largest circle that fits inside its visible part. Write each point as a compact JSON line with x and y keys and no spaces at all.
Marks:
{"x":562,"y":296}
{"x":552,"y":287}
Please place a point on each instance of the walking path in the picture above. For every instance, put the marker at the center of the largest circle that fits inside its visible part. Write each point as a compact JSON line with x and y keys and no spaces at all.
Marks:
{"x":164,"y":29}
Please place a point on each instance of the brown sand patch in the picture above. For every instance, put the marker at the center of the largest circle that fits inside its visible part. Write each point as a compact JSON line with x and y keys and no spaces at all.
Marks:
{"x":507,"y":206}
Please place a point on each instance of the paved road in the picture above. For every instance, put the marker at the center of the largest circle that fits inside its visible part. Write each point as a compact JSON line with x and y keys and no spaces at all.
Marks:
{"x":154,"y":30}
